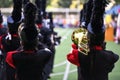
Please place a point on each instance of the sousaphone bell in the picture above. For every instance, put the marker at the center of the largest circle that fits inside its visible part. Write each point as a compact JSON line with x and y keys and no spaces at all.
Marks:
{"x":79,"y":37}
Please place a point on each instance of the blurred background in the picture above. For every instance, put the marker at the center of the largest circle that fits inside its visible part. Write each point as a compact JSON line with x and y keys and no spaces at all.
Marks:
{"x":66,"y":16}
{"x":66,"y":13}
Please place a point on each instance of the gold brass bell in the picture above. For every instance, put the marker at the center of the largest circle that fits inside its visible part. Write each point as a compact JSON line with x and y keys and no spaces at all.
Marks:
{"x":79,"y":37}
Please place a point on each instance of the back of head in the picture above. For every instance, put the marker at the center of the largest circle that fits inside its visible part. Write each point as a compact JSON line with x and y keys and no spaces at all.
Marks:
{"x":28,"y":31}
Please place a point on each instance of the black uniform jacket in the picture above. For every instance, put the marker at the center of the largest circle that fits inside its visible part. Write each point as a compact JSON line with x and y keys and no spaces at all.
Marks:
{"x":97,"y":64}
{"x":28,"y":64}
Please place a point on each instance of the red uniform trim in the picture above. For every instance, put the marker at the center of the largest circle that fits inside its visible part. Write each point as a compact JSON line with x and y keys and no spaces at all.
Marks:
{"x":1,"y":46}
{"x":15,"y":35}
{"x":39,"y":25}
{"x":29,"y":51}
{"x":1,"y":26}
{"x":97,"y":48}
{"x":9,"y":59}
{"x":73,"y":57}
{"x":1,"y":37}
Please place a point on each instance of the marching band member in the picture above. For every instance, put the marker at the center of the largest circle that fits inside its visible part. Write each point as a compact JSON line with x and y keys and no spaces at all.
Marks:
{"x":89,"y":52}
{"x":29,"y":62}
{"x":10,"y":41}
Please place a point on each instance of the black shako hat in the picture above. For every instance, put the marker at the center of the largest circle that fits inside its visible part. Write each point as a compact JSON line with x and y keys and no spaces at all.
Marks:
{"x":96,"y":28}
{"x":28,"y":31}
{"x":1,"y":17}
{"x":16,"y":18}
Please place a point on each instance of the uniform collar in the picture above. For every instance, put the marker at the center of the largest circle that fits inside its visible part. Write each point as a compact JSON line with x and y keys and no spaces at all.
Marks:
{"x":97,"y":48}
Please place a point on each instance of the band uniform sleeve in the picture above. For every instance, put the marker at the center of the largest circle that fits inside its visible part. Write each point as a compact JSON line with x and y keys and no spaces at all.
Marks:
{"x":112,"y":58}
{"x":9,"y":59}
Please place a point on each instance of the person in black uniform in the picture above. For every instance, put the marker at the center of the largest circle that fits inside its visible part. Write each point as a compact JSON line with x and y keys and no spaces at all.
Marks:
{"x":3,"y":31}
{"x":44,"y":22}
{"x":11,"y":41}
{"x":98,"y":62}
{"x":13,"y":21}
{"x":29,"y":62}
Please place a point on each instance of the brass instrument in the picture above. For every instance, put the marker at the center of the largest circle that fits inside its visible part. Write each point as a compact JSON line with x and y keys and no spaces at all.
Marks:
{"x":79,"y":37}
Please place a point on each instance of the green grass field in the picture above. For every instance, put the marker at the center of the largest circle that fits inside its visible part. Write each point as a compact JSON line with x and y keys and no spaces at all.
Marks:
{"x":64,"y":48}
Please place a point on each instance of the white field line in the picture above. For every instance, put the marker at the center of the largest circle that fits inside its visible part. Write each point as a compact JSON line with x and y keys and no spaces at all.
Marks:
{"x":64,"y":37}
{"x":60,"y":64}
{"x":74,"y":70}
{"x":56,"y":74}
{"x":66,"y":71}
{"x":61,"y":73}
